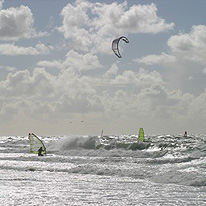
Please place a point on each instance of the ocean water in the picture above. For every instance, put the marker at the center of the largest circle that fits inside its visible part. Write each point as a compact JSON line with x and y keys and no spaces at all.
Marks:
{"x":112,"y":170}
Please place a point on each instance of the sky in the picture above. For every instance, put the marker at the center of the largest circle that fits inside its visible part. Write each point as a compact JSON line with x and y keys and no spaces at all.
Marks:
{"x":59,"y":75}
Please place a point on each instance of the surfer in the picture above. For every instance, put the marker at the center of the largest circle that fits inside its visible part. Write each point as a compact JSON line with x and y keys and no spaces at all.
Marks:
{"x":40,"y":151}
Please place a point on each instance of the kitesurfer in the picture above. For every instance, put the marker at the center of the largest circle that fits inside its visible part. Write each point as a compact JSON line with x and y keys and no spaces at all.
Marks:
{"x":40,"y":151}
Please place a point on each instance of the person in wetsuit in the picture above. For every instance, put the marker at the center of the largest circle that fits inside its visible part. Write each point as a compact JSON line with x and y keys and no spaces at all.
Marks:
{"x":40,"y":151}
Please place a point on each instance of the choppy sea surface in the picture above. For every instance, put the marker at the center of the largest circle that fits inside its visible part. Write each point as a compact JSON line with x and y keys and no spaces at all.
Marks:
{"x":108,"y":170}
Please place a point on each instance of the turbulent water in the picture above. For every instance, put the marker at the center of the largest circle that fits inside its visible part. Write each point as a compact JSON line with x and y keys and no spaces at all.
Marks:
{"x":112,"y":170}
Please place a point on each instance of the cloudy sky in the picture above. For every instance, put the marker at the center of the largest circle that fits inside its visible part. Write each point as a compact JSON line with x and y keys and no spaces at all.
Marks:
{"x":58,"y":74}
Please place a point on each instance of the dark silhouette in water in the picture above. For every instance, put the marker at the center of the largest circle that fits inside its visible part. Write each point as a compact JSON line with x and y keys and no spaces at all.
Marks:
{"x":40,"y":151}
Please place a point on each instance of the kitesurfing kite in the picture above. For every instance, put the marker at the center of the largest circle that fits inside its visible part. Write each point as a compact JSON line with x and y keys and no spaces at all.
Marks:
{"x":115,"y":45}
{"x":36,"y":144}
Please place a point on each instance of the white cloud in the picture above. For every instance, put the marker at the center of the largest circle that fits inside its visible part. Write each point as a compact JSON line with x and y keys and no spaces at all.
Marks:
{"x":117,"y":18}
{"x":93,"y":26}
{"x":190,"y":47}
{"x":156,"y":59}
{"x":139,"y":79}
{"x":81,"y":62}
{"x":184,"y":61}
{"x":193,"y":41}
{"x":55,"y":63}
{"x":8,"y":68}
{"x":41,"y":94}
{"x":21,"y":84}
{"x":74,"y":60}
{"x":13,"y":50}
{"x":17,"y":23}
{"x":112,"y":72}
{"x":68,"y":92}
{"x":75,"y":19}
{"x":184,"y":48}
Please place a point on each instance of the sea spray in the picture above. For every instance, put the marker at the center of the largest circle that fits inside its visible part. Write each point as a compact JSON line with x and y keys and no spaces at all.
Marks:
{"x":74,"y":142}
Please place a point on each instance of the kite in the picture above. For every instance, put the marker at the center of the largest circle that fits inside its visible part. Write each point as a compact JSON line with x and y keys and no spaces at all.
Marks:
{"x":115,"y":45}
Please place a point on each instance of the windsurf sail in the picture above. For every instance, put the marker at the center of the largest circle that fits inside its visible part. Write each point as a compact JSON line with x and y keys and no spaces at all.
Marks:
{"x":102,"y":134}
{"x":141,"y":135}
{"x":35,"y":144}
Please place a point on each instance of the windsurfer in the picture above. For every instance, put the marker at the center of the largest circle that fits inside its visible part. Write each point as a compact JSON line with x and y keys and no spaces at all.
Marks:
{"x":40,"y":151}
{"x":185,"y":134}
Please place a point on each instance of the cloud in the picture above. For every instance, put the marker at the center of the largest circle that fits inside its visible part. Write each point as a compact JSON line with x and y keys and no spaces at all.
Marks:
{"x":48,"y":64}
{"x":193,"y":41}
{"x":191,"y":46}
{"x":184,"y":48}
{"x":41,"y":95}
{"x":117,"y":18}
{"x":139,"y":79}
{"x":74,"y":60}
{"x":81,"y":62}
{"x":17,"y":23}
{"x":8,"y":68}
{"x":92,"y":26}
{"x":156,"y":59}
{"x":13,"y":50}
{"x":75,"y":19}
{"x":41,"y":91}
{"x":22,"y":84}
{"x":112,"y":72}
{"x":68,"y":92}
{"x":184,"y":60}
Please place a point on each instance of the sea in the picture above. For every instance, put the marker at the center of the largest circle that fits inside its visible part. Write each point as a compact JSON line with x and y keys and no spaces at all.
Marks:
{"x":114,"y":170}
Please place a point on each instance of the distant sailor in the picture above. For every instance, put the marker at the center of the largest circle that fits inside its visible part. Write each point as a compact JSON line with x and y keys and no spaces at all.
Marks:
{"x":40,"y":151}
{"x":185,"y":134}
{"x":36,"y":145}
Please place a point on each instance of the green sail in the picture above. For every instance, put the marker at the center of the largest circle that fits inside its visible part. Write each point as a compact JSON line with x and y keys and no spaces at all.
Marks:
{"x":141,"y":135}
{"x":35,"y":144}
